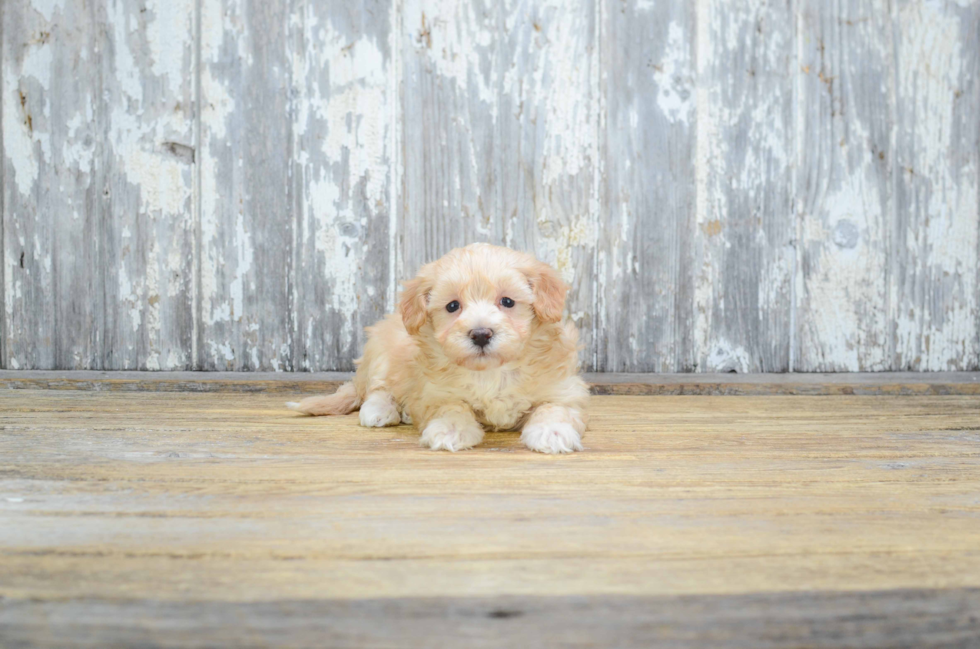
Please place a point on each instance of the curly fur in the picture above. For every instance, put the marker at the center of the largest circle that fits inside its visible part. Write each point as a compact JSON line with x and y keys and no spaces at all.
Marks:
{"x":421,"y":364}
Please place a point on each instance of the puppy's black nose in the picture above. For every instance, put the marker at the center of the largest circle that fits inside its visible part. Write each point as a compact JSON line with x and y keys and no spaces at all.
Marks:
{"x":481,"y":337}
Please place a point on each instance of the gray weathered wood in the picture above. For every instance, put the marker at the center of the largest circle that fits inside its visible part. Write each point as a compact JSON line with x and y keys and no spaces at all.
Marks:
{"x":745,"y":227}
{"x":911,"y":618}
{"x":247,"y":224}
{"x":53,"y":185}
{"x":646,"y":266}
{"x":810,"y":384}
{"x":547,"y":143}
{"x":341,"y":176}
{"x":935,"y":292}
{"x":148,"y":91}
{"x":225,"y":520}
{"x":3,"y":193}
{"x":499,"y":125}
{"x":449,"y":96}
{"x":844,"y":187}
{"x":240,"y":185}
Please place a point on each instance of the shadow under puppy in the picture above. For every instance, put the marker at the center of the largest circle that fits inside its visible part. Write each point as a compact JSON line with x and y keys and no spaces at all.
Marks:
{"x":477,"y":341}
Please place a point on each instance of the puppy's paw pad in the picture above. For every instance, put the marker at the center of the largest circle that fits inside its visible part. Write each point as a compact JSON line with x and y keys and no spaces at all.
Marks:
{"x":377,"y":414}
{"x":551,"y":438}
{"x":449,"y":435}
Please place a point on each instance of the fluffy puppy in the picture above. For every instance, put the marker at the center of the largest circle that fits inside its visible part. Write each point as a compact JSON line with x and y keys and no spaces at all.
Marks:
{"x":477,"y":342}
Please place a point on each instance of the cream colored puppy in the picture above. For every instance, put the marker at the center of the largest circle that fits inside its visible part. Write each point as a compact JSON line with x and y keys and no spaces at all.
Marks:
{"x":477,"y":342}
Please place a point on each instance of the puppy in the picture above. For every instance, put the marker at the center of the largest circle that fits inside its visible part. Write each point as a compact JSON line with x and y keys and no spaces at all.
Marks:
{"x":477,"y":342}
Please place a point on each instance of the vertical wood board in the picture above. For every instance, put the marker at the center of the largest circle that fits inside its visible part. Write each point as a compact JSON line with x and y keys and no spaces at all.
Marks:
{"x":53,"y":185}
{"x":844,"y":186}
{"x":745,"y":226}
{"x":149,"y":155}
{"x":341,"y":176}
{"x":646,"y":263}
{"x":247,"y":225}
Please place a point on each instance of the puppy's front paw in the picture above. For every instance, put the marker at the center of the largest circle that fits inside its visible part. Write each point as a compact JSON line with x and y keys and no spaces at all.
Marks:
{"x":379,"y":411}
{"x":451,"y":434}
{"x":547,"y":437}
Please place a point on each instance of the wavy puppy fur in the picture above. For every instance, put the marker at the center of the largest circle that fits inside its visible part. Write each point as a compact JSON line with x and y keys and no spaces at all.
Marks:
{"x":478,"y":342}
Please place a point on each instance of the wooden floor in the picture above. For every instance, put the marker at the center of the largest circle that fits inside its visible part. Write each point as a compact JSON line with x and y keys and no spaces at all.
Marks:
{"x":170,"y":519}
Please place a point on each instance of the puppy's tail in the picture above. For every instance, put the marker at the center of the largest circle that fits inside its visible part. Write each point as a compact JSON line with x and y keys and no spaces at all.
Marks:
{"x":341,"y":402}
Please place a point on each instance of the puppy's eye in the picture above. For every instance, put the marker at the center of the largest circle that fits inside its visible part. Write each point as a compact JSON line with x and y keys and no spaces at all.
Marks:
{"x":506,"y":302}
{"x":452,"y":306}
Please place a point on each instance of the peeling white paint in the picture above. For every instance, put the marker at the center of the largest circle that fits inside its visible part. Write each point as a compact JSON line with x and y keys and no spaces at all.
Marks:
{"x":171,"y":26}
{"x":346,"y":172}
{"x":25,"y":144}
{"x":707,"y":143}
{"x":454,"y":36}
{"x":47,"y":8}
{"x":244,"y":255}
{"x":724,"y":356}
{"x":218,"y":108}
{"x":540,"y":61}
{"x":674,"y":87}
{"x":77,"y":151}
{"x":936,"y":321}
{"x":843,"y":302}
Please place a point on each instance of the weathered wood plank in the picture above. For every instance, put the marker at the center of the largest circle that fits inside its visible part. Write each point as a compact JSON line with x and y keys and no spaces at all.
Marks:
{"x":247,"y":222}
{"x":844,"y":186}
{"x":935,"y":291}
{"x":646,"y":263}
{"x":716,"y":508}
{"x":499,"y":124}
{"x":745,"y":144}
{"x":53,"y":120}
{"x":450,"y":75}
{"x":3,"y":195}
{"x":270,"y":247}
{"x":148,"y":93}
{"x":911,"y":618}
{"x":850,"y":383}
{"x":546,"y":144}
{"x":342,"y":176}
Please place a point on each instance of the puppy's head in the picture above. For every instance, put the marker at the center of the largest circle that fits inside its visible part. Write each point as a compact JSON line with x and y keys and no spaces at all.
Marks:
{"x":481,"y":303}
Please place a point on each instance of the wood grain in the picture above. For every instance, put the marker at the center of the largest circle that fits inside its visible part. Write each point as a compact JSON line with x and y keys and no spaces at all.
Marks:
{"x":646,"y":269}
{"x":844,"y":184}
{"x":54,"y":194}
{"x":3,"y":196}
{"x":898,"y":618}
{"x":247,"y":224}
{"x":450,"y":192}
{"x":241,"y":185}
{"x":936,"y":295}
{"x":499,"y":109}
{"x":851,"y":383}
{"x":149,"y":96}
{"x":745,"y":139}
{"x":111,"y":504}
{"x":547,"y":142}
{"x":341,"y":104}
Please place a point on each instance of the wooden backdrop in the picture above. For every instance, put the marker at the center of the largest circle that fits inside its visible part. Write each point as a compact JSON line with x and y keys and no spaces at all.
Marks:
{"x":727,"y":184}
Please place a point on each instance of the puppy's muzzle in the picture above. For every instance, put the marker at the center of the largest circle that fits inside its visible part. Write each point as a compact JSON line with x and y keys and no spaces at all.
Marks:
{"x":481,"y":337}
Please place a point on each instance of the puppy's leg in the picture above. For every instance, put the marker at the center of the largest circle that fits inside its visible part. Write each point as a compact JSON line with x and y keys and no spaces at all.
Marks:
{"x":380,"y":409}
{"x":453,"y":428}
{"x":552,"y":428}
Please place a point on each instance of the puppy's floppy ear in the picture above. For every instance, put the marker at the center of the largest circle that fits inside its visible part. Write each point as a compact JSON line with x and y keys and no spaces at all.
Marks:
{"x":413,"y":304}
{"x":549,"y":291}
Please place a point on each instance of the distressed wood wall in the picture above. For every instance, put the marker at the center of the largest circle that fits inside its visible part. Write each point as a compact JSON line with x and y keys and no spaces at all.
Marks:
{"x":727,"y":184}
